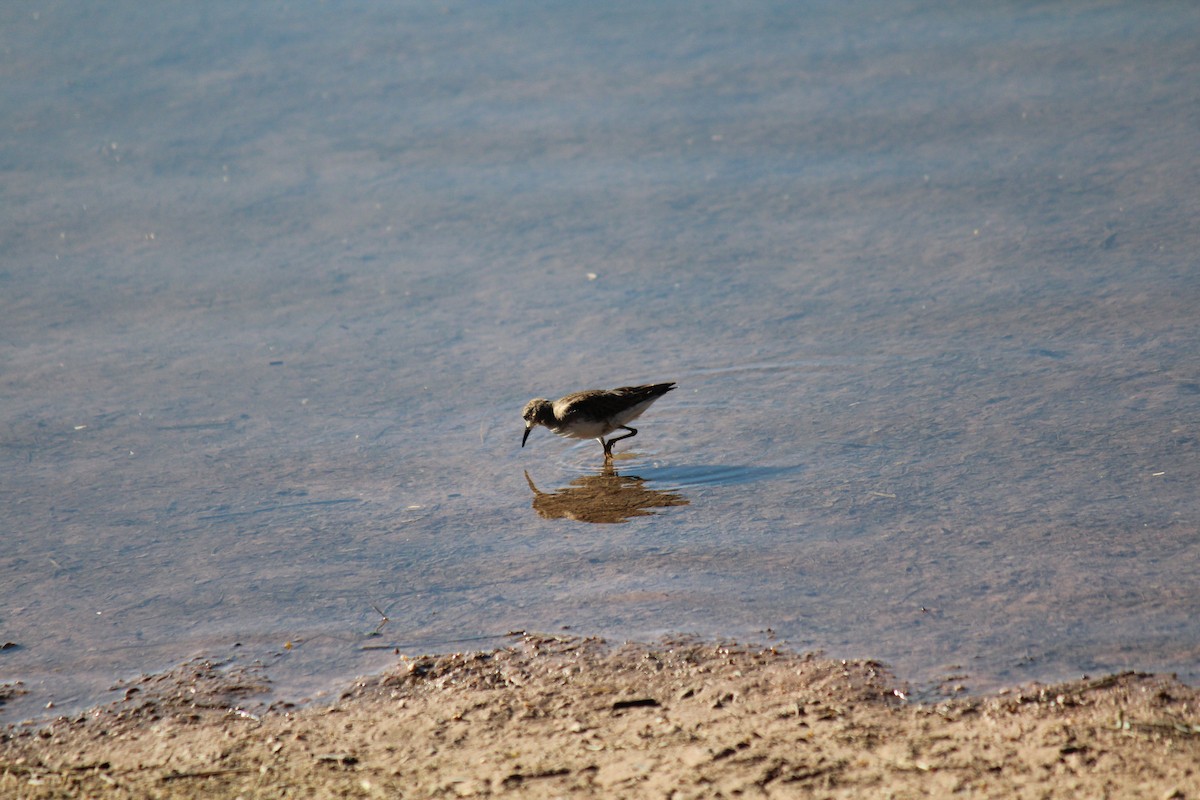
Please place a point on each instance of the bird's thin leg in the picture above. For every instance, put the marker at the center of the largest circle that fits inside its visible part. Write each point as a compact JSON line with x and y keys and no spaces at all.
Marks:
{"x":615,"y":439}
{"x":607,"y":448}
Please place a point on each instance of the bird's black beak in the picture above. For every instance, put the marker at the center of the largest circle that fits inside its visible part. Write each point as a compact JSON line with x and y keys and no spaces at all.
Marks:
{"x":526,"y":436}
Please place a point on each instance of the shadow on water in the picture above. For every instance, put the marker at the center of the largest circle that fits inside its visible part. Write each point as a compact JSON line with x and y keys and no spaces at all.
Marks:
{"x":604,"y":497}
{"x":682,"y":476}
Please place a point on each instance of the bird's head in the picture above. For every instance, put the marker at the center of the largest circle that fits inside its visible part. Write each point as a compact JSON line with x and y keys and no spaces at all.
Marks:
{"x":537,"y":412}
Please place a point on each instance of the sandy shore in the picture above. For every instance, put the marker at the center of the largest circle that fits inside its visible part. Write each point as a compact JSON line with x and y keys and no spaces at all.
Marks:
{"x":556,"y":716}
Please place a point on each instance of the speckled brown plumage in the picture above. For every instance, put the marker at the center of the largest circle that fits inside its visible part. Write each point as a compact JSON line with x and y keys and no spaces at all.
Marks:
{"x":593,"y":413}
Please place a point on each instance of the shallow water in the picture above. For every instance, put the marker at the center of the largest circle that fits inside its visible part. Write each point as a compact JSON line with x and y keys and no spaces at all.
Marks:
{"x":275,"y":283}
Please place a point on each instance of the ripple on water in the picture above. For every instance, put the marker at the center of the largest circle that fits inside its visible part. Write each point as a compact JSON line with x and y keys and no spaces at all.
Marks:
{"x":682,"y":476}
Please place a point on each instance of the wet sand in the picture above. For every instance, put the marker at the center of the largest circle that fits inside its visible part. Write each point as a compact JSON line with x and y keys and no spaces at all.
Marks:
{"x":552,"y":716}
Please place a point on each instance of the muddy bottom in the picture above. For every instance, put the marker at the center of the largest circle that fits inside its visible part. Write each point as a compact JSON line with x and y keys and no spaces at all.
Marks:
{"x":551,"y":716}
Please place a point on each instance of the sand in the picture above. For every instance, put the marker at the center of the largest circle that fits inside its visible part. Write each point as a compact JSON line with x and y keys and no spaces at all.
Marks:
{"x":554,"y":716}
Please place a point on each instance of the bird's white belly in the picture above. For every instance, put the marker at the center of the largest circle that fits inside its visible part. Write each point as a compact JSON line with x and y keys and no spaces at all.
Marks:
{"x":630,"y":414}
{"x":585,"y":429}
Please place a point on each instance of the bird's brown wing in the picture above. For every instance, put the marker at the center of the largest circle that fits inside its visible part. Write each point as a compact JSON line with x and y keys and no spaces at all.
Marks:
{"x":639,"y":394}
{"x":591,"y":404}
{"x":606,"y":404}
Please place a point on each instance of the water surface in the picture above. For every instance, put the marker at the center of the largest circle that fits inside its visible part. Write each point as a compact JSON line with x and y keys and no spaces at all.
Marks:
{"x":276,"y":281}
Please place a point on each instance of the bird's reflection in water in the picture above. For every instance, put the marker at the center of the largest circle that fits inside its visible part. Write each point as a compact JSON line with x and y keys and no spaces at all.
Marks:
{"x":604,"y":497}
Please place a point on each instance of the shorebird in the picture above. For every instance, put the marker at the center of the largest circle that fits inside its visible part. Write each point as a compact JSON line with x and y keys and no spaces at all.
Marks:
{"x":594,"y":413}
